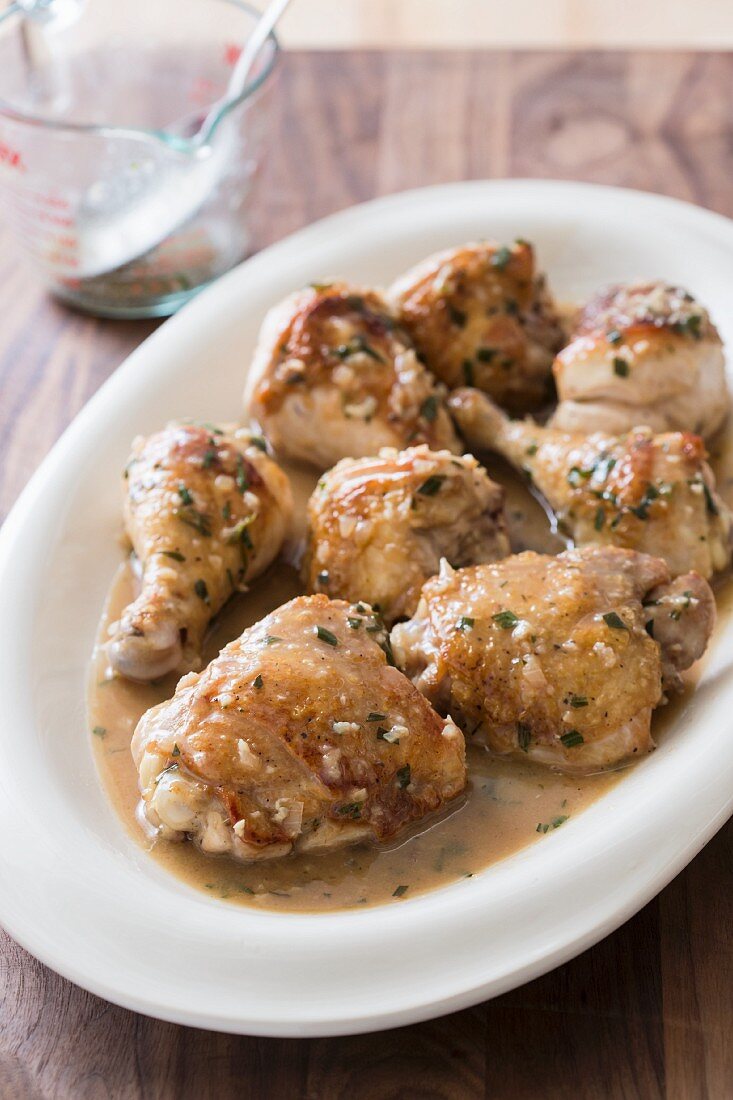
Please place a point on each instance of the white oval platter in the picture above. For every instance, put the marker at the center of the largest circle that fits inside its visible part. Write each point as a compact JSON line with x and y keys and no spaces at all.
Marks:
{"x":86,"y":900}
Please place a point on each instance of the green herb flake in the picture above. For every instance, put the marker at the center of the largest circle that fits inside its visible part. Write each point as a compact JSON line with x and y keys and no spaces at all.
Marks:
{"x":710,"y":504}
{"x":184,"y":494}
{"x":560,"y":820}
{"x":349,"y":809}
{"x":432,"y":485}
{"x":373,"y":716}
{"x":572,"y":739}
{"x":403,"y":776}
{"x":354,"y":623}
{"x":465,"y":623}
{"x":272,"y":639}
{"x":400,"y":891}
{"x":259,"y":442}
{"x":322,"y":578}
{"x":176,"y":751}
{"x":614,"y":621}
{"x":507,"y":620}
{"x":326,"y":636}
{"x":524,"y":736}
{"x":241,"y":477}
{"x":620,"y":367}
{"x":257,"y":682}
{"x":174,"y":554}
{"x":614,"y":336}
{"x":576,"y":476}
{"x":210,"y":457}
{"x":194,"y":519}
{"x":578,"y":701}
{"x":100,"y":731}
{"x":201,"y":590}
{"x":531,"y":450}
{"x":501,"y":257}
{"x":429,"y":408}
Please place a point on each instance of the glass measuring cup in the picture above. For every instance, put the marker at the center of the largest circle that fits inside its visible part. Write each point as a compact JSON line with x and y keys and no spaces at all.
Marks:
{"x":101,"y":177}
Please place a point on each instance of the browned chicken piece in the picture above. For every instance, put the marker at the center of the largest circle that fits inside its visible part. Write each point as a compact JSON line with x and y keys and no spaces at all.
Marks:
{"x":378,"y":527}
{"x":300,"y":734}
{"x":561,"y":659}
{"x":335,"y":376}
{"x":206,"y":510}
{"x":481,"y":315}
{"x":646,"y":353}
{"x":654,"y":493}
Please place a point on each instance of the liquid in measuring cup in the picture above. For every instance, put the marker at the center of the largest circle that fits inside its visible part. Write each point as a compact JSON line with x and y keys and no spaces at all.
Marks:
{"x":127,"y":221}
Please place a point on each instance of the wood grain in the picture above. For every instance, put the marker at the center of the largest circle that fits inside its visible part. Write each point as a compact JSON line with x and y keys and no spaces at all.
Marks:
{"x":647,"y":1013}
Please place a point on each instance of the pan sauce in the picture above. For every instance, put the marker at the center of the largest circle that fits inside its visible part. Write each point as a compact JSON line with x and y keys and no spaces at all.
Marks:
{"x":507,"y":805}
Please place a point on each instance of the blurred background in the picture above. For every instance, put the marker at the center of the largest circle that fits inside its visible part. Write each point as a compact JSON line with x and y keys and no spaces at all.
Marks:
{"x":636,"y":24}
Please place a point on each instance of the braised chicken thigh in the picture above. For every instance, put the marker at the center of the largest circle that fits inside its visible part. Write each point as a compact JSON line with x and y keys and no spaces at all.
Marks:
{"x":206,"y":510}
{"x":646,"y":353}
{"x":561,"y":659}
{"x":481,"y":315}
{"x":299,"y":734}
{"x":378,"y":527}
{"x":335,"y":376}
{"x":647,"y":492}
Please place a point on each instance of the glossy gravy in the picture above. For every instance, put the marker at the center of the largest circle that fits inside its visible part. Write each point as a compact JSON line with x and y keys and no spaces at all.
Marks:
{"x":507,"y":805}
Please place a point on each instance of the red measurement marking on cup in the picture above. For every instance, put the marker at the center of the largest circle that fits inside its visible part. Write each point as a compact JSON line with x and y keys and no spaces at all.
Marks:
{"x":11,"y":157}
{"x":232,"y":53}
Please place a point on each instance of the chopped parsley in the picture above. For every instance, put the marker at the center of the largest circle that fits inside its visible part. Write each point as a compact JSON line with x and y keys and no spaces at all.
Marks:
{"x":501,"y":257}
{"x":524,"y":736}
{"x":100,"y":731}
{"x":194,"y":519}
{"x":400,"y":891}
{"x":176,"y":751}
{"x":429,"y":408}
{"x":350,"y":809}
{"x":432,"y":485}
{"x":465,"y":623}
{"x":600,"y":519}
{"x":326,"y":636}
{"x":531,"y":450}
{"x":322,"y":578}
{"x":210,"y":457}
{"x":572,"y":739}
{"x":184,"y":494}
{"x":577,"y":701}
{"x":576,"y":476}
{"x":241,"y":477}
{"x":259,"y":442}
{"x":614,"y":621}
{"x":201,"y":590}
{"x":373,"y":716}
{"x":354,"y":623}
{"x":620,"y":367}
{"x":507,"y":620}
{"x":614,"y":336}
{"x":173,"y":554}
{"x":272,"y":639}
{"x":403,"y":776}
{"x":257,"y":682}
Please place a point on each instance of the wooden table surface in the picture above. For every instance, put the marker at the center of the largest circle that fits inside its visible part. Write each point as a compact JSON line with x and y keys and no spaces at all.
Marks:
{"x":649,"y":1011}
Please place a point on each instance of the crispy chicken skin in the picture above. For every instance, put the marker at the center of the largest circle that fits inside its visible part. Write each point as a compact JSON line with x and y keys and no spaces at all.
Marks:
{"x":557,"y":659}
{"x":335,"y":376}
{"x":646,"y":353}
{"x":481,"y":315}
{"x":378,"y":527}
{"x":206,"y":510}
{"x":299,"y":734}
{"x":647,"y":492}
